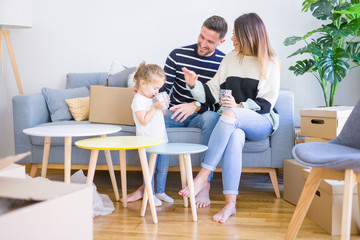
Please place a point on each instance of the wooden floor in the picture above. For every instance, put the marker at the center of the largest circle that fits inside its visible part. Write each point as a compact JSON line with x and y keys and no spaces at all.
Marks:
{"x":259,"y":214}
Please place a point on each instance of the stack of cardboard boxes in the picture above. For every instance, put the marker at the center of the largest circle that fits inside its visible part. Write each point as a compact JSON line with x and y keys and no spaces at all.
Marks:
{"x":320,"y":125}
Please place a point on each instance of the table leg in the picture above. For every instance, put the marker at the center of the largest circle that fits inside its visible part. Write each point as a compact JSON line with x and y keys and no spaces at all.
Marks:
{"x":183,"y":177}
{"x":112,"y":174}
{"x":190,"y":182}
{"x":122,"y":157}
{"x":147,"y":179}
{"x":92,"y":166}
{"x":152,"y":161}
{"x":45,"y":160}
{"x":67,"y":158}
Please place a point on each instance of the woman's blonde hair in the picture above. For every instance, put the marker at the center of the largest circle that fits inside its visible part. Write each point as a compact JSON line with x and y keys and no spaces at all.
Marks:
{"x":146,"y":72}
{"x":252,"y":39}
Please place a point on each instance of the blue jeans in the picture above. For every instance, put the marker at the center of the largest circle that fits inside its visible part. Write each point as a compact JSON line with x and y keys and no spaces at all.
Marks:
{"x":205,"y":121}
{"x":160,"y":172}
{"x":227,"y":141}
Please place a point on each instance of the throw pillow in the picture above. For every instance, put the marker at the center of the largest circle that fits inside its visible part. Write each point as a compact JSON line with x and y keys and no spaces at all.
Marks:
{"x":131,"y":82}
{"x":79,"y":108}
{"x":55,"y":100}
{"x":116,"y":66}
{"x":120,"y":79}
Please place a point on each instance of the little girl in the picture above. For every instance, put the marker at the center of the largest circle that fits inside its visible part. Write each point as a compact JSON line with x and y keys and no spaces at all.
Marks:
{"x":149,"y":121}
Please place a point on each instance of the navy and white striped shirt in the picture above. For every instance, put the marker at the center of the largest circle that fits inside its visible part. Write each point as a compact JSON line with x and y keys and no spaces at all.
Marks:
{"x":187,"y":56}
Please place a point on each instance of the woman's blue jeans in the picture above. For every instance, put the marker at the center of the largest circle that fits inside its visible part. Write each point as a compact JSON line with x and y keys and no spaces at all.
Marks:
{"x":227,"y":141}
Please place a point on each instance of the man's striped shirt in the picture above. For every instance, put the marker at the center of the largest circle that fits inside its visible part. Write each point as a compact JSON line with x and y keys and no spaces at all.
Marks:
{"x":187,"y":56}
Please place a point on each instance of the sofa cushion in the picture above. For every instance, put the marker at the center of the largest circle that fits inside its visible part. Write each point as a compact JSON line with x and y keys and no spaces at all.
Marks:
{"x":55,"y":100}
{"x":120,"y":79}
{"x":256,"y":146}
{"x":79,"y":108}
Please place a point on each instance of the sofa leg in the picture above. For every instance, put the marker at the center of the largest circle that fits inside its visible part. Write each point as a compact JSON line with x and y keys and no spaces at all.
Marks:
{"x":33,"y":170}
{"x":272,"y":174}
{"x":274,"y":181}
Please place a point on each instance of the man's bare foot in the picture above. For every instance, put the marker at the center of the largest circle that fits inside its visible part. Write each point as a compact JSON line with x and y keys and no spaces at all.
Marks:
{"x":225,"y":213}
{"x":202,"y":199}
{"x":199,"y":183}
{"x":134,"y":196}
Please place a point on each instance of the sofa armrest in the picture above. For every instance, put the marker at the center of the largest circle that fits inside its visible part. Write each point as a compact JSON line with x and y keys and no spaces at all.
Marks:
{"x":282,"y":141}
{"x":28,"y":111}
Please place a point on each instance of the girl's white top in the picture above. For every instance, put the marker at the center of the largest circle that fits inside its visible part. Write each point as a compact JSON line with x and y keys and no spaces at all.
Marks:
{"x":156,"y":126}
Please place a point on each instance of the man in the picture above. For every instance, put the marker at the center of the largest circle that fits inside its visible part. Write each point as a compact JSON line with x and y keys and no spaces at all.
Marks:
{"x":204,"y":59}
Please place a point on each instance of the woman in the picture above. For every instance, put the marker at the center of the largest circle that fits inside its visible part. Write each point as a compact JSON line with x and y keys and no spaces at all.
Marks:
{"x":252,"y":72}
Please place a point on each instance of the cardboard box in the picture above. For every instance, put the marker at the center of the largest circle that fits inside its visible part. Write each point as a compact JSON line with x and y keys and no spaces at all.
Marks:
{"x":293,"y":180}
{"x":13,"y":171}
{"x":326,"y":207}
{"x":324,"y":122}
{"x":312,"y":139}
{"x":52,"y":210}
{"x":111,"y":105}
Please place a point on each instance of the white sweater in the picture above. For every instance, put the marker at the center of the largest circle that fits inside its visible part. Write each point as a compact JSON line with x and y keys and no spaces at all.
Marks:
{"x":243,"y":78}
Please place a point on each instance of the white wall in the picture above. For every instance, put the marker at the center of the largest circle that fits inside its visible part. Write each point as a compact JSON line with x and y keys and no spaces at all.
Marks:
{"x":86,"y":35}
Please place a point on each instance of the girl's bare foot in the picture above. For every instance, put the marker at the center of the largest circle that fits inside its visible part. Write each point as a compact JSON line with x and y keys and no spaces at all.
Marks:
{"x":225,"y":213}
{"x":134,"y":196}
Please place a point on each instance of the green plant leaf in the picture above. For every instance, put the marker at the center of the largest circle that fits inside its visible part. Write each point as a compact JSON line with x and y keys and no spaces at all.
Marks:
{"x":352,"y":10}
{"x":299,"y":51}
{"x":349,"y":28}
{"x":332,"y":30}
{"x":304,"y":66}
{"x":315,"y":49}
{"x":322,"y":9}
{"x":333,"y":66}
{"x":353,"y":48}
{"x":307,"y":3}
{"x":312,"y":32}
{"x":292,"y":40}
{"x":325,"y":41}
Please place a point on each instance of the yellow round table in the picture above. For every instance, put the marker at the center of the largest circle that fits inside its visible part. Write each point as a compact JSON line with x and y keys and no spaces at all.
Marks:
{"x":122,"y":143}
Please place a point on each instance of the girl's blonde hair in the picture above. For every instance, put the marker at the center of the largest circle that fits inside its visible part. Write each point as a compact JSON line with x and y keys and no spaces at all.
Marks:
{"x":252,"y":38}
{"x":146,"y":72}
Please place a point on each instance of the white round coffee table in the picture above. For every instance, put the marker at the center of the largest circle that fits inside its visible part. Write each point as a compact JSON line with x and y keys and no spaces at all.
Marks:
{"x":68,"y":131}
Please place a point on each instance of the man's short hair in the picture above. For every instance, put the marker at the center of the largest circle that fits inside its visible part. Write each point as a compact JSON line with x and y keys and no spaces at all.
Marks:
{"x":217,"y":24}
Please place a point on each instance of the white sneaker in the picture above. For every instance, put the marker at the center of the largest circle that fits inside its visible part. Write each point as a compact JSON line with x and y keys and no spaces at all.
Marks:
{"x":157,"y":201}
{"x":164,"y":197}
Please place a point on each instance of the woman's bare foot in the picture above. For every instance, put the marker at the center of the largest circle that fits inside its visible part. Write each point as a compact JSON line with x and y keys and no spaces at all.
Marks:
{"x":134,"y":196}
{"x":225,"y":213}
{"x":200,"y":182}
{"x":202,"y":199}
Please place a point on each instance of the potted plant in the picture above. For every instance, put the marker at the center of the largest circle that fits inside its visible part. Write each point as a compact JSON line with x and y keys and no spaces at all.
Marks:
{"x":333,"y":48}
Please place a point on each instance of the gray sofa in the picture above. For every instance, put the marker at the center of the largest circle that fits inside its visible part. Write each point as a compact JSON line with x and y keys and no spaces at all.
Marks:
{"x":31,"y":110}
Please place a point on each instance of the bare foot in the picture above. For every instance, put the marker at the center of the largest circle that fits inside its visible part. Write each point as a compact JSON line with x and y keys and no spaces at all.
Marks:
{"x":202,"y":199}
{"x":225,"y":213}
{"x":134,"y":196}
{"x":199,"y":183}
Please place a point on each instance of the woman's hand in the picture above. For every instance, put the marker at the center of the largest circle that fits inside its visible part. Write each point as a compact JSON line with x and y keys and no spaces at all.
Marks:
{"x":190,"y":77}
{"x":228,"y":101}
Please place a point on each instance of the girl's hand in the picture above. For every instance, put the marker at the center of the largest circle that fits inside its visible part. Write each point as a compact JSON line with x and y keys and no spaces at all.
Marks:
{"x":158,"y":105}
{"x":190,"y":77}
{"x":228,"y":101}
